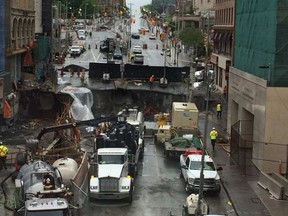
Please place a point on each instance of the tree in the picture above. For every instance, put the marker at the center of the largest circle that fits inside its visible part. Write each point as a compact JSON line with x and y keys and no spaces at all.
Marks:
{"x":191,"y":36}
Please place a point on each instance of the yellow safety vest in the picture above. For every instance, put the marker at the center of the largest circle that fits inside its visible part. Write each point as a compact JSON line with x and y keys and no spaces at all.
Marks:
{"x":218,"y":107}
{"x":3,"y":151}
{"x":213,"y":135}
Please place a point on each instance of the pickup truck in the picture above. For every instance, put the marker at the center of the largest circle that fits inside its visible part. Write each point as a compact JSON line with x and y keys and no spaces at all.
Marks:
{"x":190,"y":165}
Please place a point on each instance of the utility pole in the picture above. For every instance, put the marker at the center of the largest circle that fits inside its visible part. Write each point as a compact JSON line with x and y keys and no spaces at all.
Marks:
{"x":176,"y":41}
{"x":200,"y":197}
{"x":129,"y":36}
{"x":85,"y":13}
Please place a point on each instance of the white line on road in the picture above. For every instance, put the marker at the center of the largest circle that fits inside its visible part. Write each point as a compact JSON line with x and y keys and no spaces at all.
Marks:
{"x":98,"y":57}
{"x":93,"y":55}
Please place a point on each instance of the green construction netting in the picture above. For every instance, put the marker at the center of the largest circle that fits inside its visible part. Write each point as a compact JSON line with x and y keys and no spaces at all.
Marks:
{"x":42,"y":49}
{"x":261,"y":39}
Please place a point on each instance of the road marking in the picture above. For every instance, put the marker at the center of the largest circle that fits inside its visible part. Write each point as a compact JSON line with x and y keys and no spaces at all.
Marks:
{"x":93,"y":55}
{"x":98,"y":57}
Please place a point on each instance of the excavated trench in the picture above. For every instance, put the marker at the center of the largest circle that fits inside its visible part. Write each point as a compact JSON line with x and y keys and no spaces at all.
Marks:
{"x":35,"y":104}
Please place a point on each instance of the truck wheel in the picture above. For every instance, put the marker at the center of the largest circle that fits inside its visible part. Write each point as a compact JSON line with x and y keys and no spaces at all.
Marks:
{"x":130,"y":198}
{"x":181,"y":174}
{"x":155,"y":140}
{"x":166,"y":153}
{"x":187,"y":188}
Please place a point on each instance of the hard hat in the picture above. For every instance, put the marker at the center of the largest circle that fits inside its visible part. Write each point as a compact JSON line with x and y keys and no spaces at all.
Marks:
{"x":213,"y":128}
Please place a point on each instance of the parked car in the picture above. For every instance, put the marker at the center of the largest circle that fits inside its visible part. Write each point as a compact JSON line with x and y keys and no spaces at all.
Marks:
{"x":137,"y":50}
{"x":104,"y":27}
{"x":152,"y":37}
{"x":135,"y":36}
{"x":138,"y":59}
{"x":75,"y":51}
{"x":117,"y":54}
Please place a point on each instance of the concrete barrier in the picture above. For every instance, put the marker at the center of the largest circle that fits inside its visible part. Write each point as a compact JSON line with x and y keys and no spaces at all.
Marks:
{"x":274,"y":187}
{"x":282,"y":180}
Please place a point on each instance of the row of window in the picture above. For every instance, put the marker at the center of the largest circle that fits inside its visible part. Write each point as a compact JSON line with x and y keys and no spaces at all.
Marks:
{"x":224,"y":16}
{"x":223,"y":1}
{"x":22,"y":32}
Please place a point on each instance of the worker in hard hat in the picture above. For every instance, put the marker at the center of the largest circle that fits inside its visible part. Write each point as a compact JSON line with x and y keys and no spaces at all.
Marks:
{"x":213,"y":137}
{"x":151,"y":81}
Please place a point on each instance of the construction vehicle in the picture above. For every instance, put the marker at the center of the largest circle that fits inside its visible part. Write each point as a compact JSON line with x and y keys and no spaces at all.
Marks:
{"x":179,"y":145}
{"x":114,"y":165}
{"x":184,"y":120}
{"x":190,"y":208}
{"x":40,"y":189}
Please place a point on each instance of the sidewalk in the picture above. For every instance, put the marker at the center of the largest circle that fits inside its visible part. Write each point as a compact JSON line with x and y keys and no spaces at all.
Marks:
{"x":246,"y":196}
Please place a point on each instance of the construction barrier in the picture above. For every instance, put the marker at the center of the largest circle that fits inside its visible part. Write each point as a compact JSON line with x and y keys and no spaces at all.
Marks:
{"x":282,"y":180}
{"x":274,"y":187}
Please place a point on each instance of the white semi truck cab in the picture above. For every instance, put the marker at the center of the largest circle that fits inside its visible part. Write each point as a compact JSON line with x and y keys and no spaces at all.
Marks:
{"x":112,"y":180}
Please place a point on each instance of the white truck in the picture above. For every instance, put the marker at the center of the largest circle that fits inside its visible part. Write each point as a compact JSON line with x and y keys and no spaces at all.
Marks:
{"x":112,"y":180}
{"x":114,"y":164}
{"x":190,"y":165}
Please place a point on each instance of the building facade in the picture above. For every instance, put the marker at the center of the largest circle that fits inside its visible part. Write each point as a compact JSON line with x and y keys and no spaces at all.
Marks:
{"x":258,"y":80}
{"x":18,"y":27}
{"x":222,"y":38}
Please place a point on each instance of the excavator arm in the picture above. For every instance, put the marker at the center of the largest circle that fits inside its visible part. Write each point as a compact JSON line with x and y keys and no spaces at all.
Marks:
{"x":91,"y":122}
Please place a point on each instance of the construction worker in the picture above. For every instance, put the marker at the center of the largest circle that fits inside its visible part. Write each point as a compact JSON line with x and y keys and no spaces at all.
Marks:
{"x":151,"y":81}
{"x":3,"y":156}
{"x":213,"y":137}
{"x":219,"y":110}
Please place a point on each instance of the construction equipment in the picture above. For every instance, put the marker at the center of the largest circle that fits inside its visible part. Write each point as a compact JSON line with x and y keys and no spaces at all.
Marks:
{"x":117,"y":151}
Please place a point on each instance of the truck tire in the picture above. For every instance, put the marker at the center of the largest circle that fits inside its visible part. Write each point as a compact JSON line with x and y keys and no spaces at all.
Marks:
{"x":181,"y":174}
{"x":187,"y":189}
{"x":166,"y":153}
{"x":155,"y":140}
{"x":130,"y":198}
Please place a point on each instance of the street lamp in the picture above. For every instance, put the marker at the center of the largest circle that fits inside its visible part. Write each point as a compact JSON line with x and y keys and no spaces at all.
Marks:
{"x":163,"y":80}
{"x":85,"y":13}
{"x":130,"y":20}
{"x":201,"y":184}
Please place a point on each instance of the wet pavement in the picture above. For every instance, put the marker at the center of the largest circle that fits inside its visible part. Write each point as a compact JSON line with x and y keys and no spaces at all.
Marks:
{"x":246,"y":196}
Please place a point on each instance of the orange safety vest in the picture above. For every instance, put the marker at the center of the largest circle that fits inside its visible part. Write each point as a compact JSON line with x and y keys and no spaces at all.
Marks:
{"x":7,"y":111}
{"x":151,"y":79}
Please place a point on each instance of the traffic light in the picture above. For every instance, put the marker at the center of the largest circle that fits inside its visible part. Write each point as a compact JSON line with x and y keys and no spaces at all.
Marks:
{"x":205,"y":40}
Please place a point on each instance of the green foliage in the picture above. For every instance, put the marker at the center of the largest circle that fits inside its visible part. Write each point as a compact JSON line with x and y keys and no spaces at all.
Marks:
{"x":191,"y":36}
